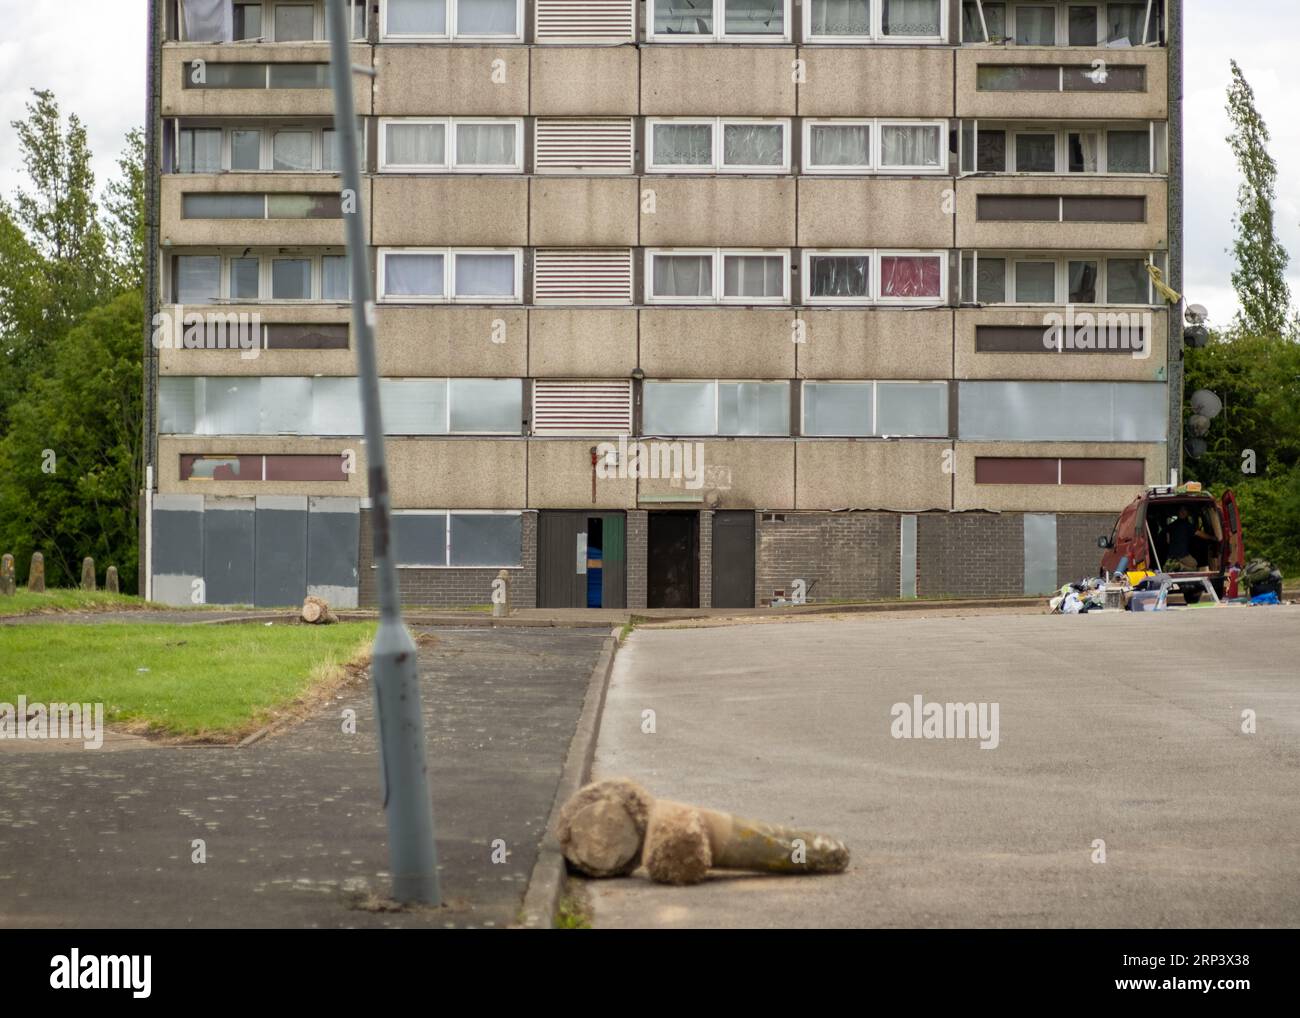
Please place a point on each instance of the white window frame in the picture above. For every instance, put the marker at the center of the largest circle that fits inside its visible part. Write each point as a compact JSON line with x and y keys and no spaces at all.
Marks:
{"x":264,"y":271}
{"x":266,"y":146}
{"x":716,"y":384}
{"x":803,"y":404}
{"x":449,"y":255}
{"x":877,"y":29}
{"x":1062,"y":23}
{"x":878,"y":145}
{"x":720,"y":267}
{"x":669,"y":252}
{"x":446,"y":530}
{"x":451,"y":164}
{"x":878,"y":286}
{"x":717,"y":126}
{"x":1061,"y":277}
{"x":719,"y":33}
{"x":1062,"y":131}
{"x":869,"y":167}
{"x":1013,"y":152}
{"x":806,"y":275}
{"x":453,"y":33}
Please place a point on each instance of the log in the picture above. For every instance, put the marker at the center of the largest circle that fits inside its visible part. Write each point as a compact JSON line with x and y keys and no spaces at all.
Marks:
{"x":317,"y":611}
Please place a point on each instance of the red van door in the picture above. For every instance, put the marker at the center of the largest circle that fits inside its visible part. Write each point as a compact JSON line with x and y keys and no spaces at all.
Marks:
{"x":1125,"y":542}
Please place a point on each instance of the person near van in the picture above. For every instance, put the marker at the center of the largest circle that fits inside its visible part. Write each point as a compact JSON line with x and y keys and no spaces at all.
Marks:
{"x":1180,"y":533}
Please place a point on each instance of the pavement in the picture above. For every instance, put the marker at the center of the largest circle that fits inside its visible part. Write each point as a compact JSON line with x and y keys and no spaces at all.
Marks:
{"x":292,"y":825}
{"x":1113,"y":728}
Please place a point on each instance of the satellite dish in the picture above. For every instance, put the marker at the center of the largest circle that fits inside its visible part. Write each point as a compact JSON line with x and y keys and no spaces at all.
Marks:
{"x":1206,"y":403}
{"x":1196,"y":313}
{"x":1195,"y":447}
{"x":1198,"y":425}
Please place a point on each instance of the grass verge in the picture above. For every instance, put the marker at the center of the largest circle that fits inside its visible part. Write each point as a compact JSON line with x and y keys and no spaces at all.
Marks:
{"x":197,"y":683}
{"x":24,"y":602}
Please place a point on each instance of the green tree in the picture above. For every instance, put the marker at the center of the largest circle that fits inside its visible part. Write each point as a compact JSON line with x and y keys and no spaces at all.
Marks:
{"x":70,"y":461}
{"x":1259,"y":277}
{"x":124,"y":201}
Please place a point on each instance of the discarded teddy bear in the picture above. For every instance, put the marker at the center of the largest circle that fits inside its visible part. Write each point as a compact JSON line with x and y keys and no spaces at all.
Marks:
{"x":609,"y":828}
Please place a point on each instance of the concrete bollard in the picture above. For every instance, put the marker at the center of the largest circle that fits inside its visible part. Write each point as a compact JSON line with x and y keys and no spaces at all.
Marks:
{"x":88,"y":574}
{"x":36,"y":575}
{"x":7,"y":582}
{"x":110,"y":581}
{"x":501,"y":595}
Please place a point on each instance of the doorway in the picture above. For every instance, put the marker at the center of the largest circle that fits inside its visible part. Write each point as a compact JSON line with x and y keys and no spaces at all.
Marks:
{"x":581,"y":559}
{"x":673,"y":566}
{"x":733,"y":559}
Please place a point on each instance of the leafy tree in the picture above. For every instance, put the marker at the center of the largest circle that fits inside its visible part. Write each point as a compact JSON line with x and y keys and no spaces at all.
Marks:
{"x":1259,"y":277}
{"x":70,"y":462}
{"x":124,"y":200}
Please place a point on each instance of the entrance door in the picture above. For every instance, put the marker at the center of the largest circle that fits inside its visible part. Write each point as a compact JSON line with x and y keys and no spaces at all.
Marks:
{"x":673,"y":569}
{"x":733,"y":559}
{"x":581,"y":560}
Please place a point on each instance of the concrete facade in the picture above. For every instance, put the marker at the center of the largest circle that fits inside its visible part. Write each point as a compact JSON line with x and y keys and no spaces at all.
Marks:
{"x":841,"y":496}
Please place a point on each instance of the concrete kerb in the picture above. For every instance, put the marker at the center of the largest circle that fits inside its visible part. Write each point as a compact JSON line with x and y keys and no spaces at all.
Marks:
{"x":546,"y":884}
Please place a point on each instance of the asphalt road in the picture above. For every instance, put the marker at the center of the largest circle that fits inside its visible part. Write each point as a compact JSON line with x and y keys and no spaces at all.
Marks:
{"x":1112,"y":726}
{"x":293,"y":826}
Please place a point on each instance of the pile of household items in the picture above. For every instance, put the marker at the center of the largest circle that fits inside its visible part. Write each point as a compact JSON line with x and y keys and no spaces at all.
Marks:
{"x":1144,"y":591}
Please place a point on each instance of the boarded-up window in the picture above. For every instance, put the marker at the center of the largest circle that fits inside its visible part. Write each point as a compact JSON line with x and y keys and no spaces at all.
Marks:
{"x":582,"y":408}
{"x":305,"y":468}
{"x":1110,"y":79}
{"x":572,"y":145}
{"x":1034,"y":339}
{"x":1015,"y":470}
{"x":585,"y":20}
{"x":572,"y":276}
{"x":1103,"y":471}
{"x":1017,"y":208}
{"x":1104,"y":209}
{"x":289,"y":467}
{"x":282,"y":336}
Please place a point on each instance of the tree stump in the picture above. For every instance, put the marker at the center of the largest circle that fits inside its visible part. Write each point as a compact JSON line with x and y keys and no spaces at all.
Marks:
{"x":88,"y":574}
{"x":36,"y":575}
{"x":317,"y":611}
{"x":7,"y":582}
{"x":110,"y":580}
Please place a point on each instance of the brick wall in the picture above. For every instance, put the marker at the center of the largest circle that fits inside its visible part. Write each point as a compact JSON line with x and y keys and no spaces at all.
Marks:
{"x":706,"y":559}
{"x":453,"y":588}
{"x":638,"y":550}
{"x":850,"y":555}
{"x":1077,"y":554}
{"x":969,"y":554}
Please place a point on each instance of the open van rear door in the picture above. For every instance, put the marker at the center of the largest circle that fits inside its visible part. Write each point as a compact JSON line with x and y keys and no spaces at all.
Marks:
{"x":1234,"y":545}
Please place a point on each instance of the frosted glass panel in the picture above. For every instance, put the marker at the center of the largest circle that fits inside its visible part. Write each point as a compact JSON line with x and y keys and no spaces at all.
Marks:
{"x":486,"y":17}
{"x":837,"y":408}
{"x":912,"y":409}
{"x":753,"y":408}
{"x":485,"y":275}
{"x":417,"y":17}
{"x":1031,"y":411}
{"x":413,"y":275}
{"x":177,"y":404}
{"x":335,"y":278}
{"x":486,"y":405}
{"x":291,"y":150}
{"x":414,"y":406}
{"x":285,"y":405}
{"x":678,"y":408}
{"x":336,"y":407}
{"x":415,"y":144}
{"x":231,"y":406}
{"x":198,"y":279}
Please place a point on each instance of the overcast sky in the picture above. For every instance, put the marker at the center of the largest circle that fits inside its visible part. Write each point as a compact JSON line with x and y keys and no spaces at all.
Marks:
{"x":91,"y":53}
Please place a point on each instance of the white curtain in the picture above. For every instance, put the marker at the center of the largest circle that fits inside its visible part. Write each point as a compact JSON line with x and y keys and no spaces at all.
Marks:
{"x":683,"y":276}
{"x":841,"y":17}
{"x":1036,"y":26}
{"x":485,"y":144}
{"x":1087,"y":142}
{"x":685,"y":17}
{"x":485,"y":275}
{"x":683,"y":145}
{"x":753,"y":145}
{"x":209,"y":20}
{"x":752,"y":276}
{"x":415,"y":144}
{"x":911,"y":17}
{"x":417,"y":17}
{"x":335,"y":278}
{"x":291,"y":150}
{"x":1126,"y":23}
{"x":847,"y":145}
{"x":485,"y":17}
{"x":909,"y":146}
{"x":413,"y":275}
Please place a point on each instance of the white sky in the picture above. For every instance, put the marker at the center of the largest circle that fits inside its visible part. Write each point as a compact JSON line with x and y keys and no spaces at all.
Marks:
{"x":91,"y":53}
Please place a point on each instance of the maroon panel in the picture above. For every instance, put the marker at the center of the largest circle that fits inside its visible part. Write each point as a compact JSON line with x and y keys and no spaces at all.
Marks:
{"x":1014,"y":470}
{"x":305,"y":468}
{"x":216,"y":467}
{"x":910,"y":276}
{"x":1097,"y":471}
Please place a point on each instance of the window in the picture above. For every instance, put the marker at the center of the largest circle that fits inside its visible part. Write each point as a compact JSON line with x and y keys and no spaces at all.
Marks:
{"x":844,"y":21}
{"x":247,"y":20}
{"x":875,"y":409}
{"x":200,"y":151}
{"x":886,"y":146}
{"x":292,"y":150}
{"x":1080,"y":149}
{"x":715,"y":408}
{"x":295,"y":23}
{"x":717,"y":145}
{"x":564,"y":145}
{"x":1035,"y":153}
{"x":711,"y":276}
{"x":864,"y":277}
{"x":1032,"y":411}
{"x":245,"y":150}
{"x":470,"y":275}
{"x":1073,"y":24}
{"x":1082,"y":25}
{"x":1039,"y":279}
{"x":718,"y":20}
{"x":287,"y":467}
{"x":1126,"y":24}
{"x":1035,"y":25}
{"x":424,"y":539}
{"x":251,"y":150}
{"x":210,"y":278}
{"x":234,"y":205}
{"x":418,"y":20}
{"x":473,"y":146}
{"x":242,"y":75}
{"x":1128,"y":151}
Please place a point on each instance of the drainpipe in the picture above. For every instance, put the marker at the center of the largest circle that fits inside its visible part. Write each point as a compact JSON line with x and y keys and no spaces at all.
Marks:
{"x":1174,"y":37}
{"x":149,"y":379}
